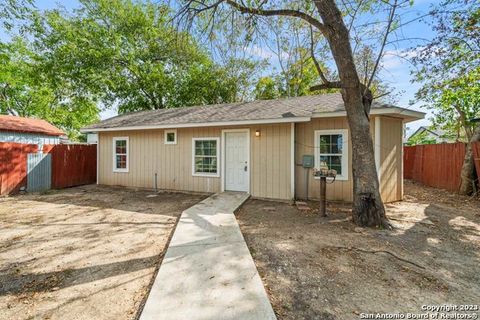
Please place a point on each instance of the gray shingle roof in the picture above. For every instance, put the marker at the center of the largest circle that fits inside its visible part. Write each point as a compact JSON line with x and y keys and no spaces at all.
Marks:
{"x":241,"y":111}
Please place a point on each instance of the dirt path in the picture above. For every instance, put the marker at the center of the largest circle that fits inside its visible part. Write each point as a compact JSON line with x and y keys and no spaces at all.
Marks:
{"x":82,"y":253}
{"x":326,"y":268}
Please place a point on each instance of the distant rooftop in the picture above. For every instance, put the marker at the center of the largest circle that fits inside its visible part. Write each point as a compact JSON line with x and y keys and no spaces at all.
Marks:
{"x":28,"y":125}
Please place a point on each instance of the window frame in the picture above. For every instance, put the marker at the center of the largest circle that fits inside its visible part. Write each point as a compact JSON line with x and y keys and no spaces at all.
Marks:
{"x":205,"y":174}
{"x":166,"y":132}
{"x":115,"y":139}
{"x":344,"y":154}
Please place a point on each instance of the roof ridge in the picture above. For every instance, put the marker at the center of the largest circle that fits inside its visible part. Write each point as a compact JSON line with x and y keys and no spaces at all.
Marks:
{"x":257,"y":110}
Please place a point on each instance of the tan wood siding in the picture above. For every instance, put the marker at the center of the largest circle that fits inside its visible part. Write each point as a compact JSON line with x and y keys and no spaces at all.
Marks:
{"x":270,"y":167}
{"x":148,"y":154}
{"x":304,"y":145}
{"x":391,"y":172}
{"x":391,"y":132}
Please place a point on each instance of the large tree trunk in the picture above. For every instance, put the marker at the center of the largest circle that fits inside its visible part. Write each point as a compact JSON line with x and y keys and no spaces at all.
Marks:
{"x":368,"y":208}
{"x":468,"y":169}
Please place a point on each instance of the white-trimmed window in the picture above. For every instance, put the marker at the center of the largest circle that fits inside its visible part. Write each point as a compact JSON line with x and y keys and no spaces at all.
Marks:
{"x":331,"y":151}
{"x":205,"y":153}
{"x":171,"y":136}
{"x":120,"y":154}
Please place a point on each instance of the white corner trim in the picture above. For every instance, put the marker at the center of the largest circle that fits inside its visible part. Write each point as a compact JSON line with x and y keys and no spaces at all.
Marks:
{"x":200,"y":124}
{"x":114,"y":153}
{"x":174,"y":131}
{"x":403,"y":165}
{"x":377,"y":146}
{"x":250,"y":162}
{"x":201,"y":174}
{"x":98,"y":157}
{"x":292,"y":161}
{"x":345,"y":160}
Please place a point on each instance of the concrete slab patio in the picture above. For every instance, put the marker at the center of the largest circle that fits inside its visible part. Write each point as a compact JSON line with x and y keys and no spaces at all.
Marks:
{"x":208,"y":272}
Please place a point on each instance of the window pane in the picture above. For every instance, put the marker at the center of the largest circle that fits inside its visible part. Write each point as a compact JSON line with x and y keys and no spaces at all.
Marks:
{"x":336,"y":163}
{"x":331,"y":152}
{"x":206,"y":156}
{"x":198,"y":148}
{"x":331,"y":162}
{"x":324,"y":144}
{"x":213,"y":148}
{"x":170,"y":136}
{"x":337,"y":143}
{"x":121,"y":146}
{"x":205,"y":165}
{"x":121,"y":161}
{"x":206,"y":147}
{"x":324,"y":162}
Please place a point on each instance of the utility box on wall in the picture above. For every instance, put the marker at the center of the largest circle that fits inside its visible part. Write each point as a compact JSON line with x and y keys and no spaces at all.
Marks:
{"x":308,"y":161}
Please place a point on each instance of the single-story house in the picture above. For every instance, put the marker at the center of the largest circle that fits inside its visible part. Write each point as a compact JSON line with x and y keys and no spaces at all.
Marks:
{"x":28,"y":130}
{"x":432,"y":134}
{"x":256,"y":147}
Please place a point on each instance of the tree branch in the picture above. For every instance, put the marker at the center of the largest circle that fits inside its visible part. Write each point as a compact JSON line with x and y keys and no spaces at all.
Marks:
{"x":280,"y":12}
{"x":315,"y":61}
{"x":329,"y":85}
{"x":380,"y":53}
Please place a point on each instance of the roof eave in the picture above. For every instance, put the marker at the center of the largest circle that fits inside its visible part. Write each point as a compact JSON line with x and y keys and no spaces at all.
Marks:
{"x":406,"y":114}
{"x":34,"y":132}
{"x":198,"y":124}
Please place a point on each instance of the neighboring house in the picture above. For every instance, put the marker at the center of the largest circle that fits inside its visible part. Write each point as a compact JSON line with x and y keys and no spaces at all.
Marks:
{"x":430,"y":134}
{"x":255,"y":147}
{"x":29,"y":130}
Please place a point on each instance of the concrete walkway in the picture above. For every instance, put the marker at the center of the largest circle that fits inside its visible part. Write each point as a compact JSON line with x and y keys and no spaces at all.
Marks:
{"x":208,"y":272}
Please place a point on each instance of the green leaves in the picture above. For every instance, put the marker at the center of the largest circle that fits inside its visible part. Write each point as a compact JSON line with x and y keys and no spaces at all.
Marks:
{"x":109,"y":54}
{"x":449,"y":67}
{"x":131,"y":57}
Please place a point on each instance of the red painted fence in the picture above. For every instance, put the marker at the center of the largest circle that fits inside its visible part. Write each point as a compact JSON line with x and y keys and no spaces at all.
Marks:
{"x":13,"y":166}
{"x":437,"y":165}
{"x":72,"y":165}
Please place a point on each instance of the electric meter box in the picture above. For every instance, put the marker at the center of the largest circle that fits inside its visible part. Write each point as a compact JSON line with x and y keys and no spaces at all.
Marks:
{"x":307,"y":161}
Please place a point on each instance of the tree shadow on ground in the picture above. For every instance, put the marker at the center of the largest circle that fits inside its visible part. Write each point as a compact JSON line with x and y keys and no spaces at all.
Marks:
{"x":17,"y":283}
{"x":99,"y":197}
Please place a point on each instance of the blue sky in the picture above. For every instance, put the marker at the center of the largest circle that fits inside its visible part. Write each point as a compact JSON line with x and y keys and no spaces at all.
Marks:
{"x":396,"y":71}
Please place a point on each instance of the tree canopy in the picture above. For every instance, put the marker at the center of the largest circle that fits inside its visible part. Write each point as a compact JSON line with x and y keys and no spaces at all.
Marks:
{"x":109,"y":54}
{"x":449,"y":67}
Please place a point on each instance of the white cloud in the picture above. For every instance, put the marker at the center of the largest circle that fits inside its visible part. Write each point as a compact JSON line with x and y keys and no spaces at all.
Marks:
{"x":395,"y":58}
{"x":264,"y":52}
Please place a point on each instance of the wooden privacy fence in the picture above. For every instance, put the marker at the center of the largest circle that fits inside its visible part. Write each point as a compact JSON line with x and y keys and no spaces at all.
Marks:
{"x":68,"y":166}
{"x":72,"y":165}
{"x":437,"y":165}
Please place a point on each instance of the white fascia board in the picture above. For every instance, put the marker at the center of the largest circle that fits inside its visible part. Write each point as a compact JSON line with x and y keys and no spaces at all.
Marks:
{"x":200,"y":124}
{"x":408,"y":115}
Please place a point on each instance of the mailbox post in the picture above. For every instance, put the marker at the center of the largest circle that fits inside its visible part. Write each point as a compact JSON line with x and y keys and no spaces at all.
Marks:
{"x":324,"y":174}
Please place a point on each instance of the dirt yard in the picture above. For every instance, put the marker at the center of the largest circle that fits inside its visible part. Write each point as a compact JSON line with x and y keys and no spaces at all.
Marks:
{"x":326,"y":268}
{"x":83,"y":253}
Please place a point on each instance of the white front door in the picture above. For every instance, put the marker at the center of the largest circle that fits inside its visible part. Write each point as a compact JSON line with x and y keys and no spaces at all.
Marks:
{"x":237,"y":166}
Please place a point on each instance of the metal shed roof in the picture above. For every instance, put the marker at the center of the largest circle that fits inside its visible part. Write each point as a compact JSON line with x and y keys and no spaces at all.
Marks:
{"x":30,"y":125}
